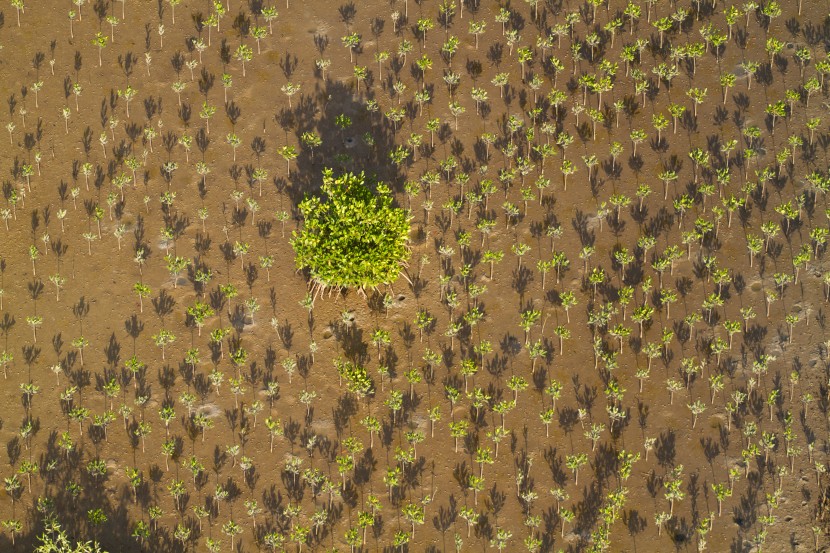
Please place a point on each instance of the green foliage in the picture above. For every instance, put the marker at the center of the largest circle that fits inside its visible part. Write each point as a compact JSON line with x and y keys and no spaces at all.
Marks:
{"x":352,"y":237}
{"x":55,"y":540}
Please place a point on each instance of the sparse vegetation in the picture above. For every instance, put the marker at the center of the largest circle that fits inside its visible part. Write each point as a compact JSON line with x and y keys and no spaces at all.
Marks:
{"x":513,"y":190}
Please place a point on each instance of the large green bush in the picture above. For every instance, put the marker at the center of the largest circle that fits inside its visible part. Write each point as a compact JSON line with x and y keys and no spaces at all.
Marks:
{"x":352,"y":237}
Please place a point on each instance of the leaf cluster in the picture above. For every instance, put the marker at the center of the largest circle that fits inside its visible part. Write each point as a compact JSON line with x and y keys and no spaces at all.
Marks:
{"x":352,"y":236}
